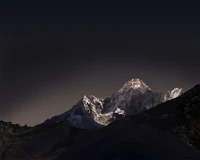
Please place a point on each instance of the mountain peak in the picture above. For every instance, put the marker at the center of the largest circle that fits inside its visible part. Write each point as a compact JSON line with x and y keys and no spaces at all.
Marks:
{"x":137,"y":83}
{"x":134,"y":84}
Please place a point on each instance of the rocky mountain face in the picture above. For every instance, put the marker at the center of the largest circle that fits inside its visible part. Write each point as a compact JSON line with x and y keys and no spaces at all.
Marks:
{"x":93,"y":112}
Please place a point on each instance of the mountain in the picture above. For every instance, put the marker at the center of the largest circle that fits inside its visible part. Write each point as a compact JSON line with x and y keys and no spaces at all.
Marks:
{"x":135,"y":96}
{"x":167,"y":131}
{"x":93,"y":112}
{"x":161,"y":132}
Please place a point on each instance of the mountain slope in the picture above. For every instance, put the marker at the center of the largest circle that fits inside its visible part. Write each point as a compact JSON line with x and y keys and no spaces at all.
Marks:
{"x":36,"y":142}
{"x":124,"y":139}
{"x":180,"y":116}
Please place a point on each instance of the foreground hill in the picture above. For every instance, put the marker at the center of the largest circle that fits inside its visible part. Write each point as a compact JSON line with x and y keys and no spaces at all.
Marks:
{"x":126,"y":139}
{"x":180,"y":116}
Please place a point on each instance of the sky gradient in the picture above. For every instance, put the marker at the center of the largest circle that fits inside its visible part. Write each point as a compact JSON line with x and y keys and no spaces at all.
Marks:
{"x":51,"y":57}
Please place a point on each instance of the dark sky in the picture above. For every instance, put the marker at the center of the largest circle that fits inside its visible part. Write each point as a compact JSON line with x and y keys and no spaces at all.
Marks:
{"x":52,"y":56}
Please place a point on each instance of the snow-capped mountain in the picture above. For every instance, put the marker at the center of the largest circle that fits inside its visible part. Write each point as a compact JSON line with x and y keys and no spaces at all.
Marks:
{"x":93,"y":112}
{"x":147,"y":132}
{"x":173,"y":94}
{"x":135,"y":96}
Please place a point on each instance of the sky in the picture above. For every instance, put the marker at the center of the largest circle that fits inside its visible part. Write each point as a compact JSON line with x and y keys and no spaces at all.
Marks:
{"x":51,"y":56}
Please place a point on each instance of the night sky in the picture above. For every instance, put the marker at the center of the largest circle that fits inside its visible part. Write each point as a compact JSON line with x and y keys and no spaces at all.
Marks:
{"x":52,"y":56}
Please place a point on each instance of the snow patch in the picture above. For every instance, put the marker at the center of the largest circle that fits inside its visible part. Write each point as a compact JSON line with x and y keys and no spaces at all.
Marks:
{"x":119,"y":111}
{"x":134,"y":84}
{"x":173,"y":94}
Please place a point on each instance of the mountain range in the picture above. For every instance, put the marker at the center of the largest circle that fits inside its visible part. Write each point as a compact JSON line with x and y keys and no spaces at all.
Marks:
{"x":134,"y":123}
{"x":93,"y":112}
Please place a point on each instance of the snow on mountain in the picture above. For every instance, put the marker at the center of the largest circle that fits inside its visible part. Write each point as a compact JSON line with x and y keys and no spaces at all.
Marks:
{"x":90,"y":107}
{"x":119,"y":111}
{"x":134,"y":97}
{"x":134,"y":84}
{"x":173,"y":94}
